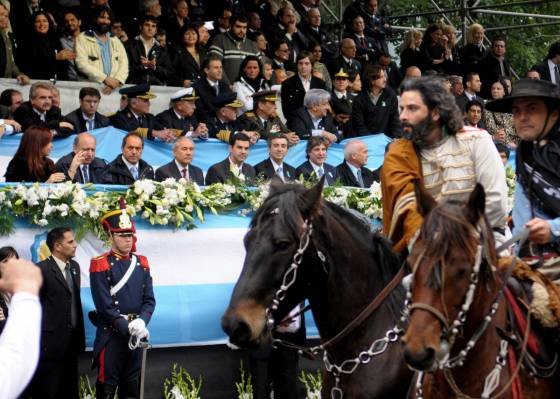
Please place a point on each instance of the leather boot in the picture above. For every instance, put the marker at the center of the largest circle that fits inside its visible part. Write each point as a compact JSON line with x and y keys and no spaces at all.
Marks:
{"x":129,"y":390}
{"x":104,"y":391}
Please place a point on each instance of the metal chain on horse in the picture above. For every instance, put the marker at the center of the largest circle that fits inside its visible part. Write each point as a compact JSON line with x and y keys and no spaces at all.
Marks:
{"x":349,"y":366}
{"x":291,"y":274}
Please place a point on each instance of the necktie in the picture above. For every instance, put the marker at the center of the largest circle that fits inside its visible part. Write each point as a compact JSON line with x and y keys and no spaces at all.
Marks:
{"x":360,"y":180}
{"x":320,"y":172}
{"x":70,"y":282}
{"x":216,"y":89}
{"x":265,"y":125}
{"x":90,"y":125}
{"x":85,"y":174}
{"x":141,"y":121}
{"x":557,"y":75}
{"x":280,"y":173}
{"x":363,"y":41}
{"x":185,"y":173}
{"x":134,"y":172}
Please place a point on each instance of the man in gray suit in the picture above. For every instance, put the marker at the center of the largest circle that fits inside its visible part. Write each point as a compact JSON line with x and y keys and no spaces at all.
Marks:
{"x":181,"y":166}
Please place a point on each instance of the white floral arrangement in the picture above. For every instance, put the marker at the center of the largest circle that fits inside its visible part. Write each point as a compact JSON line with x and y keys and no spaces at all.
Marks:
{"x":313,"y":384}
{"x":181,"y":385}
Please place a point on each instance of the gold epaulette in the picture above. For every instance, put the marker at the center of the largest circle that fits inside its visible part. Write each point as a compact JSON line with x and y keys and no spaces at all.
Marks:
{"x":223,"y":135}
{"x":178,"y":132}
{"x":142,"y":131}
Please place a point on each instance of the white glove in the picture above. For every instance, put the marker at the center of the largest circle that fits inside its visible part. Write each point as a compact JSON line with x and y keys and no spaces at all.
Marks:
{"x":143,"y":334}
{"x":136,"y":326}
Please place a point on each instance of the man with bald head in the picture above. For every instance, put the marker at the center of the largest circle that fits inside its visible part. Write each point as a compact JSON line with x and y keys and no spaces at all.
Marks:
{"x":346,"y":60}
{"x":181,"y":166}
{"x":352,"y":171}
{"x":412,"y":72}
{"x":81,"y":165}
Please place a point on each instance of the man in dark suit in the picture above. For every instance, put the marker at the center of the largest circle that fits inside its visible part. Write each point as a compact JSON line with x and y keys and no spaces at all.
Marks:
{"x":352,"y":171}
{"x":294,"y":88}
{"x":62,"y":332}
{"x":472,"y":86}
{"x":209,"y":87}
{"x":274,"y":165}
{"x":81,"y":165}
{"x":181,"y":167}
{"x":234,"y":166}
{"x":494,"y":66}
{"x":129,"y":166}
{"x":549,"y":67}
{"x":286,"y":29}
{"x":366,"y":50}
{"x":391,"y":71}
{"x":137,"y":117}
{"x":40,"y":111}
{"x":346,"y":60}
{"x":313,"y":118}
{"x":180,"y":116}
{"x":315,"y":34}
{"x":315,"y":167}
{"x":86,"y":118}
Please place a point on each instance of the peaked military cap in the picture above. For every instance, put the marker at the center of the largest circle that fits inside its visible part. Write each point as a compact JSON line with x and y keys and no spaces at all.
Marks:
{"x":141,"y":91}
{"x":227,"y":100}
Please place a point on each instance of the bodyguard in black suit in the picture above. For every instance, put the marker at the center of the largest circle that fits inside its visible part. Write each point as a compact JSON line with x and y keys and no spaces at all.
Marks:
{"x":62,"y":331}
{"x":274,"y":165}
{"x":208,"y":88}
{"x":472,"y":85}
{"x":352,"y":171}
{"x":234,"y":165}
{"x":181,"y":166}
{"x":128,"y":167}
{"x":293,"y":91}
{"x":39,"y":111}
{"x":85,"y":167}
{"x":315,"y":166}
{"x":86,"y":118}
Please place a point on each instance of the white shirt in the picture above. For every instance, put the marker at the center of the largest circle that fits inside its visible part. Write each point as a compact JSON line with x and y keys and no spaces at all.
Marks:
{"x":147,"y":44}
{"x":551,"y":66}
{"x":42,"y":115}
{"x":19,"y":344}
{"x":61,"y":265}
{"x":88,"y":119}
{"x":354,"y":171}
{"x":181,"y":167}
{"x":306,"y":83}
{"x":130,"y":165}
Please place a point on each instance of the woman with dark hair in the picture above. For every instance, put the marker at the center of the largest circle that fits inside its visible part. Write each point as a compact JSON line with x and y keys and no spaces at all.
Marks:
{"x":249,"y":81}
{"x":187,"y":58}
{"x":43,"y":49}
{"x":500,"y":124}
{"x":30,"y":162}
{"x":432,"y":49}
{"x":5,"y":254}
{"x":319,"y":68}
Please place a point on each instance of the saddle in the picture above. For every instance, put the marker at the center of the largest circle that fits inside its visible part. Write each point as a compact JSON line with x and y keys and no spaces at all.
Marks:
{"x":529,"y":290}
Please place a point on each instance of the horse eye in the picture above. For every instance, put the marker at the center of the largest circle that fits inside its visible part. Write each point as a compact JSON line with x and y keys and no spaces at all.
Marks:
{"x":282,"y":245}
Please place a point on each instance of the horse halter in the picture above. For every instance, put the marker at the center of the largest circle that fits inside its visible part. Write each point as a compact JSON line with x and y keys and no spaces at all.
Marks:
{"x":451,"y":330}
{"x":291,"y":274}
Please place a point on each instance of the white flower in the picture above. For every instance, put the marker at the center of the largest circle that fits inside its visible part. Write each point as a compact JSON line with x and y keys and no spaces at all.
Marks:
{"x":42,"y":222}
{"x":146,"y":187}
{"x":188,"y":208}
{"x":375,"y":190}
{"x":48,"y":209}
{"x":176,"y":392}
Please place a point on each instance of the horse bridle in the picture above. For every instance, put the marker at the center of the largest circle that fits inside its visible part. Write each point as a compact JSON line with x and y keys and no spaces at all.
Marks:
{"x":350,"y":365}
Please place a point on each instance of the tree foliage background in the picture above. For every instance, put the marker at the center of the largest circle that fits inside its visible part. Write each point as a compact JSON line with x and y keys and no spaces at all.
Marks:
{"x":525,"y":46}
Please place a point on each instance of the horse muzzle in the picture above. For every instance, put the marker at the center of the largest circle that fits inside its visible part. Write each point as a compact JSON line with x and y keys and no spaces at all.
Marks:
{"x":245,"y":324}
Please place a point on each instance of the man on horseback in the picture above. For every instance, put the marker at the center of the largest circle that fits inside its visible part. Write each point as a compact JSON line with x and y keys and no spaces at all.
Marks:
{"x":450,"y":160}
{"x":535,"y":107}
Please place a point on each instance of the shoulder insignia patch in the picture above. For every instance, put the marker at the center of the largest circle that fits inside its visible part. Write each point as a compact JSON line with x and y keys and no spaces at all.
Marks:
{"x":143,"y":261}
{"x":99,"y":264}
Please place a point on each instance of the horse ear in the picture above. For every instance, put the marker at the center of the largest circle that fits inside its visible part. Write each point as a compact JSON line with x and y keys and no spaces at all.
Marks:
{"x":275,"y":184}
{"x":475,"y":205}
{"x":424,"y":201}
{"x":312,"y":198}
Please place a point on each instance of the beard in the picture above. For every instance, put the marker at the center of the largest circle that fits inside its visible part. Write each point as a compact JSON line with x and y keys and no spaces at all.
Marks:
{"x":419,"y":133}
{"x":103,"y":28}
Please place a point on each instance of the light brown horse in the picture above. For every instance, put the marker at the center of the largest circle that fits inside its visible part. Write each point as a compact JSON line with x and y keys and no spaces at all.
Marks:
{"x":456,"y":308}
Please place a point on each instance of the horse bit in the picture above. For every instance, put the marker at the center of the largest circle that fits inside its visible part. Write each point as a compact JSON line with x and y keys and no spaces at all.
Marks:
{"x":348,"y":366}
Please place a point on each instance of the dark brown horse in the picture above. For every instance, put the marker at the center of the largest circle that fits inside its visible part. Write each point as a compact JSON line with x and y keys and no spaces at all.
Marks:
{"x":341,"y":266}
{"x":457,"y":312}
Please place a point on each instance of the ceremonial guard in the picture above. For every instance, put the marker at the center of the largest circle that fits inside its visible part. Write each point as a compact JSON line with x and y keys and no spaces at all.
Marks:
{"x":121,"y":287}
